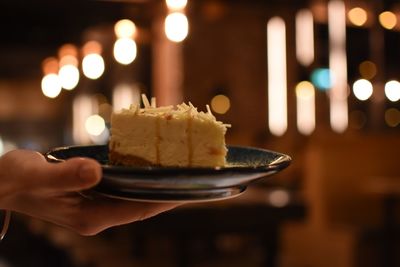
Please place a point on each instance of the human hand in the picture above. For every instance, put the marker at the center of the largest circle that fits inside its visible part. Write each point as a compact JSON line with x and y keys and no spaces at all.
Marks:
{"x":50,"y":191}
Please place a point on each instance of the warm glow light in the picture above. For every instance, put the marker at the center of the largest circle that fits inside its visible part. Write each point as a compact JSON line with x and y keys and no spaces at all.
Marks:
{"x":392,"y":90}
{"x":337,"y":65}
{"x":279,"y":198}
{"x":69,"y":76}
{"x":102,"y":138}
{"x":68,"y":60}
{"x":93,"y":66}
{"x":125,"y":51}
{"x":305,"y":37}
{"x":51,"y":85}
{"x":357,"y":16}
{"x":176,"y":27}
{"x":392,"y":117}
{"x":95,"y":125}
{"x":362,"y":89}
{"x":367,"y":69}
{"x":176,"y":4}
{"x":388,"y":20}
{"x":68,"y":50}
{"x":125,"y":28}
{"x":305,"y":103}
{"x":305,"y":90}
{"x":277,"y":83}
{"x":124,"y":95}
{"x":91,"y":47}
{"x":50,"y":65}
{"x":220,"y":104}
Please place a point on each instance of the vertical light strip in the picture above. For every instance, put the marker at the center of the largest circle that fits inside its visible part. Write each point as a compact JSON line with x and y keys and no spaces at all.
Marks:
{"x":305,"y":103}
{"x":338,"y":65}
{"x":277,"y":84}
{"x":82,"y":108}
{"x":124,"y":95}
{"x":167,"y":68}
{"x":305,"y":37}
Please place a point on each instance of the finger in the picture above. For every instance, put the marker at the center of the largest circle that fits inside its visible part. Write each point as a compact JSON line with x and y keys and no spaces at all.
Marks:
{"x":74,"y":174}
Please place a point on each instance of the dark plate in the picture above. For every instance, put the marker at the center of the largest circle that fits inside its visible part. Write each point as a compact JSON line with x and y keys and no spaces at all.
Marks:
{"x":244,"y":165}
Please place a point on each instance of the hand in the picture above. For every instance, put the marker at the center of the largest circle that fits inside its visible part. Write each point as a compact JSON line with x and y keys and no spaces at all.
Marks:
{"x":49,"y":191}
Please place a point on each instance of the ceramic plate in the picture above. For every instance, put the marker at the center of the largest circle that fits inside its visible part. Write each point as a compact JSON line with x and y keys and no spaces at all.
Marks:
{"x":244,"y":165}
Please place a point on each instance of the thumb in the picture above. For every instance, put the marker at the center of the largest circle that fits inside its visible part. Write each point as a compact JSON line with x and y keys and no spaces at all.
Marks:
{"x":72,"y":175}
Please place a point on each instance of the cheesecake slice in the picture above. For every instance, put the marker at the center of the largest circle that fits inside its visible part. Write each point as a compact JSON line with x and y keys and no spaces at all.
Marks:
{"x":175,"y":136}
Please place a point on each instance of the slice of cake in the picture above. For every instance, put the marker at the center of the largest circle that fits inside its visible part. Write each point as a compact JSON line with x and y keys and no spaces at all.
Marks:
{"x":177,"y":136}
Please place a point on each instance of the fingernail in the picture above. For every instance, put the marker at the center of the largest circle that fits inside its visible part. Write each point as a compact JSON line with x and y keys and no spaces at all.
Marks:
{"x":87,"y":173}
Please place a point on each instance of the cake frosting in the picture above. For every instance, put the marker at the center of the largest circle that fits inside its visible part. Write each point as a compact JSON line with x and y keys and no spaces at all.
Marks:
{"x":179,"y":136}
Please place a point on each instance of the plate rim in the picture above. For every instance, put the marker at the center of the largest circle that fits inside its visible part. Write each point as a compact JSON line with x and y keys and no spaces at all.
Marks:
{"x":113,"y":176}
{"x":280,"y":163}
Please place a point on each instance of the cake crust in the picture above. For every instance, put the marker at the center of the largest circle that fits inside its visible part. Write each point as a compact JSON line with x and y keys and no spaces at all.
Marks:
{"x":116,"y":158}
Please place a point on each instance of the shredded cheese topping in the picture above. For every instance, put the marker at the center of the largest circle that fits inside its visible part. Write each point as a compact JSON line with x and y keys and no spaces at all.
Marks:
{"x":150,"y":108}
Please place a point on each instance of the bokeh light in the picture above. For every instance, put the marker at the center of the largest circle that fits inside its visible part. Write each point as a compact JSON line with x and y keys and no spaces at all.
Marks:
{"x":367,"y":69}
{"x":305,"y":90}
{"x":102,"y":138}
{"x":68,"y":50}
{"x":93,"y":66}
{"x":50,"y":65}
{"x":69,"y":76}
{"x":388,"y":20}
{"x":279,"y":198}
{"x":392,"y":90}
{"x":176,"y":4}
{"x":321,"y":78}
{"x":305,"y":107}
{"x":220,"y":104}
{"x":125,"y":28}
{"x":176,"y":27}
{"x":95,"y":125}
{"x":392,"y":117}
{"x":51,"y":85}
{"x":125,"y":51}
{"x":358,"y":16}
{"x":68,"y":60}
{"x":91,"y":47}
{"x":362,"y":89}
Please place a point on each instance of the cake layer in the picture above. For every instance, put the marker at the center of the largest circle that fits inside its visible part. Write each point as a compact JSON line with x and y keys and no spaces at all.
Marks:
{"x":134,"y":136}
{"x":173,"y":145}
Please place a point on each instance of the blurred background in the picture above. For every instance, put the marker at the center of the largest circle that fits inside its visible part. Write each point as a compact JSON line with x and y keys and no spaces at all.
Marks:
{"x":315,"y":79}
